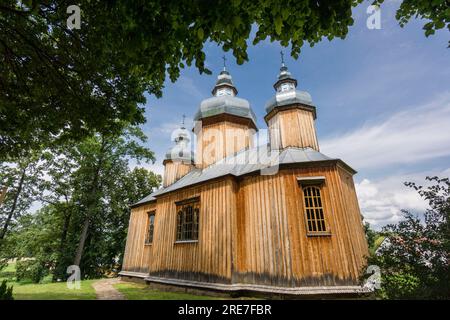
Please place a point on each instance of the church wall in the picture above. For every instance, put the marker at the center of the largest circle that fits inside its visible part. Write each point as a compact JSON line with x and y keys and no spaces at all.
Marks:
{"x":207,"y":260}
{"x":273,"y":247}
{"x":355,"y":223}
{"x":293,"y":127}
{"x":253,"y":230}
{"x":175,"y":170}
{"x":137,"y":254}
{"x":221,"y":139}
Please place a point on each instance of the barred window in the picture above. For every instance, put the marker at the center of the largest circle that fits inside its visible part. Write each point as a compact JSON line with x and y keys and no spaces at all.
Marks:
{"x":187,"y":220}
{"x":150,"y":227}
{"x":313,"y":210}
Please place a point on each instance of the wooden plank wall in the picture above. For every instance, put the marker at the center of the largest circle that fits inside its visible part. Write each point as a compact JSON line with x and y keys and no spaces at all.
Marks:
{"x":209,"y":259}
{"x":273,"y":247}
{"x":174,"y":170}
{"x":353,"y":212}
{"x":293,"y":128}
{"x":137,"y":255}
{"x":253,"y":231}
{"x":219,"y":140}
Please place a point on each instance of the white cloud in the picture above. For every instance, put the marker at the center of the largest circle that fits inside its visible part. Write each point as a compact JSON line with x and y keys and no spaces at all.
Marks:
{"x":411,"y":136}
{"x":382,"y":200}
{"x":167,"y":128}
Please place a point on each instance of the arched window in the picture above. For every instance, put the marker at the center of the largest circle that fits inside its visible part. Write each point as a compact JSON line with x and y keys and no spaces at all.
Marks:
{"x":315,"y":220}
{"x":187,"y":220}
{"x":150,"y":227}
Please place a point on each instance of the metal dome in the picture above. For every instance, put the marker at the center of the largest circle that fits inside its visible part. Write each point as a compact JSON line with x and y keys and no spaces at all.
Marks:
{"x":287,"y":98}
{"x":225,"y":101}
{"x":181,"y":151}
{"x":287,"y":93}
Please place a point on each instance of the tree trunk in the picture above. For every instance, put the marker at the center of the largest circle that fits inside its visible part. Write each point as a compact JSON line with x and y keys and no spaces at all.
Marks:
{"x":62,"y":242}
{"x":92,"y":202}
{"x":80,"y":247}
{"x":14,"y":205}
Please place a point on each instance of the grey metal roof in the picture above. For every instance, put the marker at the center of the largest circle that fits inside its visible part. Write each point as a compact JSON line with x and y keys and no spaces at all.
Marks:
{"x":287,"y":98}
{"x":181,"y":150}
{"x":180,"y":153}
{"x":144,"y":200}
{"x":284,"y":75}
{"x":225,"y":104}
{"x":244,"y":162}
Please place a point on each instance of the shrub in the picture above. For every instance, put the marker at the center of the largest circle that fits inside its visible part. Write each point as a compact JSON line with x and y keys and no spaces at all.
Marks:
{"x":5,"y":291}
{"x":33,"y":270}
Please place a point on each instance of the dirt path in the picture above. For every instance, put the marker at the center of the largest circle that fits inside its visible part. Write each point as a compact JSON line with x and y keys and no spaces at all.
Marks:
{"x":104,"y":290}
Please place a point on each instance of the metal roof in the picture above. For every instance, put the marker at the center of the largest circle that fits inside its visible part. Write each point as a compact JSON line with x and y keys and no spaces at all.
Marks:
{"x":225,"y":104}
{"x":244,"y":162}
{"x":287,"y":98}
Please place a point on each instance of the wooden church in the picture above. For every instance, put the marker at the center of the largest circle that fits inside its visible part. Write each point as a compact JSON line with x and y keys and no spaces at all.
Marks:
{"x":276,"y":218}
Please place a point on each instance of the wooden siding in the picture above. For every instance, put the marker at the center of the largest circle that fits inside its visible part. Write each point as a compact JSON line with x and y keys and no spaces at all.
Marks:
{"x":209,"y":259}
{"x":221,"y":139}
{"x":137,"y":254}
{"x":293,"y":128}
{"x":174,"y":170}
{"x":253,"y":230}
{"x":273,"y":245}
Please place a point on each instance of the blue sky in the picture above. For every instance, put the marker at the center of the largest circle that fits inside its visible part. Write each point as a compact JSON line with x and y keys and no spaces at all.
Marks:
{"x":382,"y":97}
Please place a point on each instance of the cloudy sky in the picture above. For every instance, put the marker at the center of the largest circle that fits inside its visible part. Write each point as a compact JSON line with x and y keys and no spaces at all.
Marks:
{"x":382,"y":97}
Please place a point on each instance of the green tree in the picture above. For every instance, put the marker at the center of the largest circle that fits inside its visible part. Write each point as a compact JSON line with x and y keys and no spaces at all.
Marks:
{"x":85,"y":217}
{"x":415,"y":261}
{"x":371,"y":236}
{"x":435,"y":12}
{"x":6,"y":293}
{"x":22,"y":181}
{"x":59,"y":84}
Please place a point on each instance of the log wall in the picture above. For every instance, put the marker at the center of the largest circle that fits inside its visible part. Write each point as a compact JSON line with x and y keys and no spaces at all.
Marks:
{"x":292,"y":128}
{"x":138,"y":255}
{"x":273,"y":245}
{"x":220,"y":140}
{"x":175,"y":170}
{"x":253,"y":230}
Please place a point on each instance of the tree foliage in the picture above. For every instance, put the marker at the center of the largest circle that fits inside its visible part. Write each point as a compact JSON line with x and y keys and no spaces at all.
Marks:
{"x":435,"y":12}
{"x":59,"y":84}
{"x":22,"y":180}
{"x":6,"y":293}
{"x":415,"y":262}
{"x":87,"y":191}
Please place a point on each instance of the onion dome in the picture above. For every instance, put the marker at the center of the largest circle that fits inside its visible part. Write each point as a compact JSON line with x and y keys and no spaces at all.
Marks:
{"x":181,"y":151}
{"x":224,"y":101}
{"x":286,"y":92}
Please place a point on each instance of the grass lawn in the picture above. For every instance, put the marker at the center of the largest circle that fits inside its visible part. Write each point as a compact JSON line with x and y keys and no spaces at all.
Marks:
{"x":137,"y":291}
{"x":46,"y":290}
{"x":54,"y":291}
